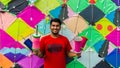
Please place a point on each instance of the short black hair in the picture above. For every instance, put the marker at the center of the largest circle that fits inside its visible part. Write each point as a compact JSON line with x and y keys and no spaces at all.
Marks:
{"x":55,"y":20}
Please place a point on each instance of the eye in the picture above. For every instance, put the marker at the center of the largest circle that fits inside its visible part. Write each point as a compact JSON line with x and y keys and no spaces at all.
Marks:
{"x":53,"y":25}
{"x":57,"y":25}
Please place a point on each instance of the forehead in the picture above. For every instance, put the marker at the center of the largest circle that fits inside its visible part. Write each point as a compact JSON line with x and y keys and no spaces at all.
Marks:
{"x":55,"y":23}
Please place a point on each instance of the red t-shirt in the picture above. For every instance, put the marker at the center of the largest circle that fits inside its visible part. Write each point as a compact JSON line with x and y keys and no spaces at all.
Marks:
{"x":55,"y":51}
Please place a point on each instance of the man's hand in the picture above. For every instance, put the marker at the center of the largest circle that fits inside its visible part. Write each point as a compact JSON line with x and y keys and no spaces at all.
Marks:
{"x":36,"y":52}
{"x":78,"y":55}
{"x":73,"y":54}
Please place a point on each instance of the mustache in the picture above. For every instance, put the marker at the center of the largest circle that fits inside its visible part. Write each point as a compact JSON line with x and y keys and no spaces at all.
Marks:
{"x":55,"y":33}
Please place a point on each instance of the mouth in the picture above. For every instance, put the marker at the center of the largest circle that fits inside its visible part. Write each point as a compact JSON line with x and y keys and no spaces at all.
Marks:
{"x":55,"y":30}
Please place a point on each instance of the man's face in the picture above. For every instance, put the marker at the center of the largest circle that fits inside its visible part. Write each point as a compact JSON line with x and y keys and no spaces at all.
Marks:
{"x":55,"y":28}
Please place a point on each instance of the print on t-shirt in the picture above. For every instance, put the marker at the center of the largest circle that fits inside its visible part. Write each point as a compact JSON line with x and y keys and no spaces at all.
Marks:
{"x":54,"y":48}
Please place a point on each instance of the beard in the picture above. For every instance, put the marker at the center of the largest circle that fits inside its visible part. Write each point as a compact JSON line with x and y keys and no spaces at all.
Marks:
{"x":55,"y":33}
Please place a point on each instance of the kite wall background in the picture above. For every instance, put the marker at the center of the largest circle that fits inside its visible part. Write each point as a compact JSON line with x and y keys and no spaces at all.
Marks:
{"x":97,"y":21}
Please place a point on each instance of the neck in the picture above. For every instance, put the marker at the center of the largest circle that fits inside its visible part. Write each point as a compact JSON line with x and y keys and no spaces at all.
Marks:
{"x":54,"y":35}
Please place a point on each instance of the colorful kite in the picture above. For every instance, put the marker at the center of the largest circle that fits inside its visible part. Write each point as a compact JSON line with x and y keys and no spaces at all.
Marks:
{"x":96,"y":20}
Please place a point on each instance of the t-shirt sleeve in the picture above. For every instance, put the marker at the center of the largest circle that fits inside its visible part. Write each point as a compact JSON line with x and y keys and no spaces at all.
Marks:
{"x":42,"y":45}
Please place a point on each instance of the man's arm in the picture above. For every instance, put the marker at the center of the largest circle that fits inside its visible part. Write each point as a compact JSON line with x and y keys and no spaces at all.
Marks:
{"x":38,"y":53}
{"x":73,"y":54}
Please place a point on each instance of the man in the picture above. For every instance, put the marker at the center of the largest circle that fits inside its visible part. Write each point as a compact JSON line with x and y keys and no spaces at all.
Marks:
{"x":54,"y":47}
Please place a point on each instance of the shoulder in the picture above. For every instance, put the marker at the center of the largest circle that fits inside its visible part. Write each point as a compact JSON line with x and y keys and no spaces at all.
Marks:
{"x":63,"y":37}
{"x":45,"y":36}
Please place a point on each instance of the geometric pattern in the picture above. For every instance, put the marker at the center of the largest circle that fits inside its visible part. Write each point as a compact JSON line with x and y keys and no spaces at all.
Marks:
{"x":15,"y":29}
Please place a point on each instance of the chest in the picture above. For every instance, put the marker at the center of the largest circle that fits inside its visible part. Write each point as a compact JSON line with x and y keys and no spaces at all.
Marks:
{"x":55,"y":45}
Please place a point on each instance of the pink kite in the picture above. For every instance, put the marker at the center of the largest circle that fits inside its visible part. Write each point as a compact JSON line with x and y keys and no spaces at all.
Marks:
{"x":7,"y":41}
{"x":31,"y":15}
{"x":114,"y":37}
